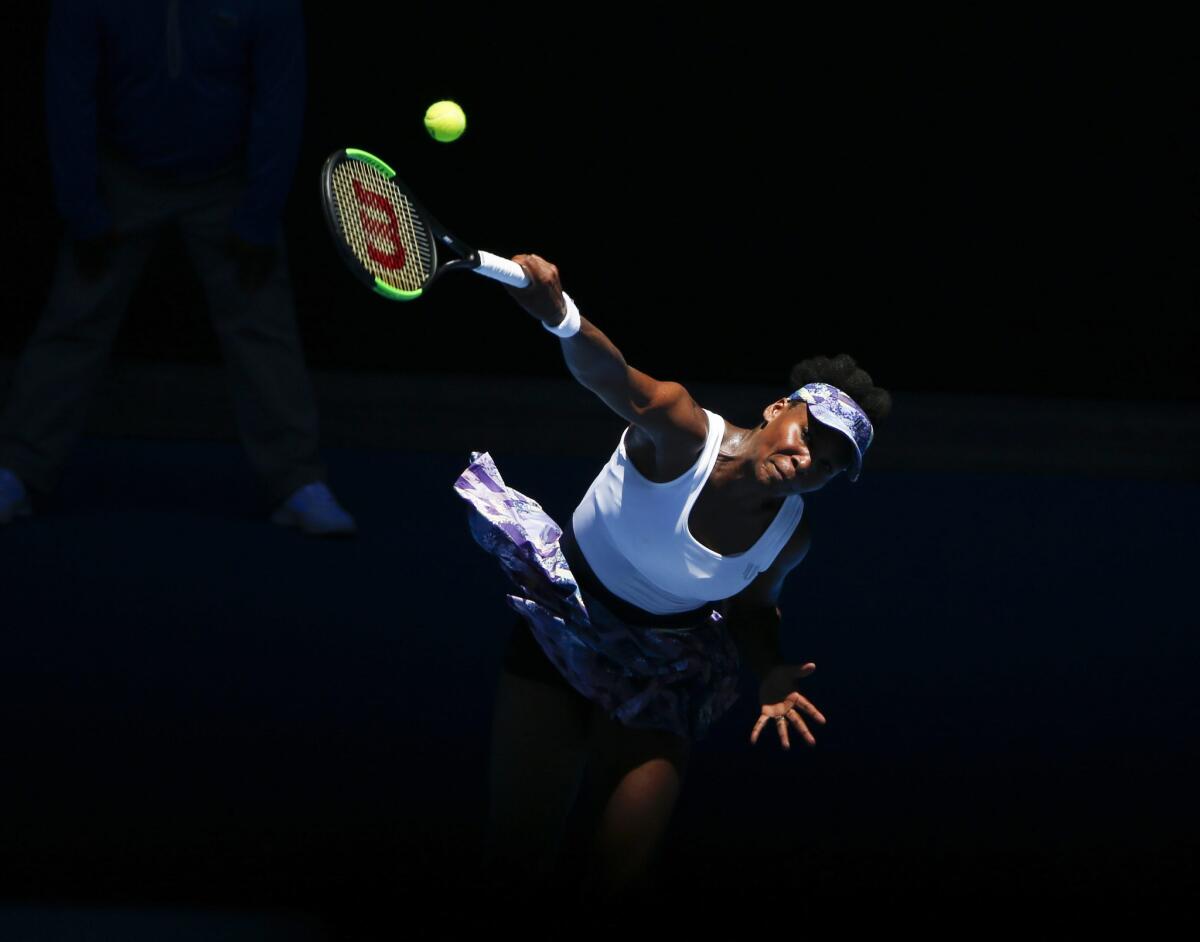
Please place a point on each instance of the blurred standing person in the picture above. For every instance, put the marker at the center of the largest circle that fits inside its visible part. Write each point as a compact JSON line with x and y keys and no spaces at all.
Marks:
{"x":165,"y":113}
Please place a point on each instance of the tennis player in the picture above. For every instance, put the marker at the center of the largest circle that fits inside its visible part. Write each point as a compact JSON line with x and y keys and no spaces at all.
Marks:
{"x":634,"y":618}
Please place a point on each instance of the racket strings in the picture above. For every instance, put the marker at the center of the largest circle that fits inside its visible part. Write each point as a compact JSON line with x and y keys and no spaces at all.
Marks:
{"x":382,"y":227}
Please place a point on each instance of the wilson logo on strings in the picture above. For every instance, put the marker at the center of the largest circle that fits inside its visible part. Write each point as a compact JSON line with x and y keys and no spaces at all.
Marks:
{"x":390,"y":254}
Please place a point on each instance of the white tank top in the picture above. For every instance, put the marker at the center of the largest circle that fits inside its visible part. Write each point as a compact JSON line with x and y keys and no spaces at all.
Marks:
{"x":634,"y":534}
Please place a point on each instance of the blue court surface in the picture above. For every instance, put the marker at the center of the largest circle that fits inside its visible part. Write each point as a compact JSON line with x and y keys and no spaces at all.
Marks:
{"x":206,"y":714}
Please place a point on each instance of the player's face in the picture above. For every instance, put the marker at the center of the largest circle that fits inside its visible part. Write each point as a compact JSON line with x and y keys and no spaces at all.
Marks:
{"x":798,"y":453}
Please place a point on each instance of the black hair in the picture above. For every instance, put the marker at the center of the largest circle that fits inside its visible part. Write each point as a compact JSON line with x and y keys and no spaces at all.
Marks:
{"x":841,"y":371}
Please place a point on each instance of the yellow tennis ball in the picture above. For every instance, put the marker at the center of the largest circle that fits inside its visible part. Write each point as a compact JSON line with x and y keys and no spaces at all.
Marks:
{"x":445,"y":121}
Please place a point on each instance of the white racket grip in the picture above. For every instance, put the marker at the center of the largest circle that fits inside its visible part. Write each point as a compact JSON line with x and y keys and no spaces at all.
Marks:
{"x":502,"y":269}
{"x":509,"y":272}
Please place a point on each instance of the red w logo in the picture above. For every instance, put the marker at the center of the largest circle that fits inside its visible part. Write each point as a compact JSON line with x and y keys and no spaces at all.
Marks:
{"x":380,"y":230}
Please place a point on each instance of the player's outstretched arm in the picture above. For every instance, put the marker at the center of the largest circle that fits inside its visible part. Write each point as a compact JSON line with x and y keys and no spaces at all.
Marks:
{"x":663,"y":409}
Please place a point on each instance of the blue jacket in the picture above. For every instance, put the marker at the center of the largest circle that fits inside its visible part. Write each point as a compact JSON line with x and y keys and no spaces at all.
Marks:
{"x":181,"y":88}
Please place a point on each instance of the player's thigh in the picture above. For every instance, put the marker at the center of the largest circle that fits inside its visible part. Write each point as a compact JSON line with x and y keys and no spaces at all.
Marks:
{"x":634,"y":782}
{"x":635,"y":774}
{"x":537,"y":759}
{"x":538,"y":749}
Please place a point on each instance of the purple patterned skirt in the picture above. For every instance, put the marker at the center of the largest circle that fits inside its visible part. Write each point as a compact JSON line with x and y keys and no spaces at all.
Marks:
{"x":677,"y":673}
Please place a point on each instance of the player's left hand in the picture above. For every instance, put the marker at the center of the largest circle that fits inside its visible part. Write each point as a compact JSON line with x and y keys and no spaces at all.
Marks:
{"x":782,"y":704}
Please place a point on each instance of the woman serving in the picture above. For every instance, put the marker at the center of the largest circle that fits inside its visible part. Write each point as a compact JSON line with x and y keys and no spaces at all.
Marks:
{"x":635,"y":616}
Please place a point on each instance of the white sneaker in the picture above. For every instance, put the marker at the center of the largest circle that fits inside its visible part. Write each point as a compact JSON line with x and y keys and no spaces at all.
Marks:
{"x":14,"y":502}
{"x":314,"y":509}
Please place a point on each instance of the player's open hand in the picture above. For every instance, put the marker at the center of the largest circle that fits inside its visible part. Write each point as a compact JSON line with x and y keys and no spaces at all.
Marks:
{"x":782,"y":705}
{"x":542,"y":298}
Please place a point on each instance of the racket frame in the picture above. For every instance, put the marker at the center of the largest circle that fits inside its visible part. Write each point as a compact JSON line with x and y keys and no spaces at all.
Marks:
{"x":468,"y":257}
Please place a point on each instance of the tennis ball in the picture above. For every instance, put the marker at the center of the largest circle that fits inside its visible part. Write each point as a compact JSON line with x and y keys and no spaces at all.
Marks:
{"x":445,"y":121}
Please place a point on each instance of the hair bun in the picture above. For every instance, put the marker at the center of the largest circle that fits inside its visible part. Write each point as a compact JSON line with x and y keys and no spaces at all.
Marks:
{"x":845,"y":373}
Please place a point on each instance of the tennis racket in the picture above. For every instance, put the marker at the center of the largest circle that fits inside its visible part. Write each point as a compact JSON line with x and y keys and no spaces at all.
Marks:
{"x":388,"y":239}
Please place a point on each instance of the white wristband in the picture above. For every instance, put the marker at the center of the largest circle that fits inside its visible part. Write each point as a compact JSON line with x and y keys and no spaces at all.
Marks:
{"x":570,"y":324}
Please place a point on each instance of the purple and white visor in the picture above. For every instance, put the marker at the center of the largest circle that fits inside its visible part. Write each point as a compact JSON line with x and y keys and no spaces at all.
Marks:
{"x":832,"y":407}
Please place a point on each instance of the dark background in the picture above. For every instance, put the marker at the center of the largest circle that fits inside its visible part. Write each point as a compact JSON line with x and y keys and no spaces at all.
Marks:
{"x":209,"y":717}
{"x":964,"y":202}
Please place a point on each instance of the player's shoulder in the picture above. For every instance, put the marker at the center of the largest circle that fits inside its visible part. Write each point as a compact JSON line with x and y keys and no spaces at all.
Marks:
{"x":674,"y":419}
{"x":671,"y":432}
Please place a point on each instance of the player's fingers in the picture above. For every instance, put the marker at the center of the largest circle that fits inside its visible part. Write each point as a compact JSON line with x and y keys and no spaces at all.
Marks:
{"x":781,"y":727}
{"x":802,"y":703}
{"x":796,"y":721}
{"x":537,"y":266}
{"x":762,"y":721}
{"x":529,"y":262}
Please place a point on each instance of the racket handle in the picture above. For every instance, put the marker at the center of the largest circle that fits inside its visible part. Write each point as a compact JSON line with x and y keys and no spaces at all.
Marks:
{"x":502,"y":269}
{"x":509,"y":272}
